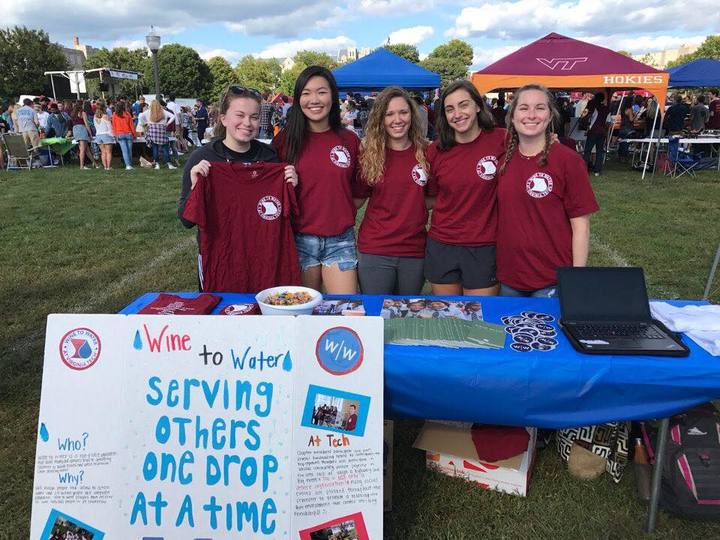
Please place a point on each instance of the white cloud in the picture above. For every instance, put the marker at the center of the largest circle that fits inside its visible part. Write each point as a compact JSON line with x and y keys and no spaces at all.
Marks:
{"x":526,"y":19}
{"x":207,"y":53}
{"x":129,"y":44}
{"x":411,"y":36}
{"x":484,"y":56}
{"x":644,"y":44}
{"x":292,"y":21}
{"x":394,"y":7}
{"x":289,"y":48}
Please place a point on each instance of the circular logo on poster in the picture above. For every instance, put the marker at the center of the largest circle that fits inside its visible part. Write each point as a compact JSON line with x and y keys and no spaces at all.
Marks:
{"x":487,"y":167}
{"x":539,"y":185}
{"x":339,"y":350}
{"x":80,"y":348}
{"x":419,"y":175}
{"x":340,"y":156}
{"x":269,"y":207}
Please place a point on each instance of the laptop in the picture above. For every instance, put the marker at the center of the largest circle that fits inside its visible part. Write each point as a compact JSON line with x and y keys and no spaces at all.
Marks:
{"x":606,"y":311}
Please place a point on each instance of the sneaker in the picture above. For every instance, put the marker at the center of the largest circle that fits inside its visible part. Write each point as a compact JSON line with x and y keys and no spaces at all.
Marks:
{"x":171,"y":166}
{"x":85,"y":168}
{"x":128,"y":168}
{"x":597,"y":174}
{"x":157,"y":166}
{"x":181,"y":153}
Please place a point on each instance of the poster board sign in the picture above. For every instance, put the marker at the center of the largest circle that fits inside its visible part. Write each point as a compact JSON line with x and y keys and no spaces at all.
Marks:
{"x":210,"y":427}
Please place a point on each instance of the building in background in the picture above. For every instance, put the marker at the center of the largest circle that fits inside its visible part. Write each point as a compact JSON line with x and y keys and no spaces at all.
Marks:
{"x":660,"y":59}
{"x":78,"y":54}
{"x":351,"y":54}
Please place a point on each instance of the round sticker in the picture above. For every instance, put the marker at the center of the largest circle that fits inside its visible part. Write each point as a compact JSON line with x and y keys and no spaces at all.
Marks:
{"x":529,"y":330}
{"x":520,"y":347}
{"x":80,"y":348}
{"x":339,"y":350}
{"x":239,"y":309}
{"x":547,"y":341}
{"x":540,"y":347}
{"x":523,"y":338}
{"x":269,"y":208}
{"x":545,"y":327}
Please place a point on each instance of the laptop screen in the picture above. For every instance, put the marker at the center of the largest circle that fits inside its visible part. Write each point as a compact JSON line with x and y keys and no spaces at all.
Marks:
{"x":603,"y":294}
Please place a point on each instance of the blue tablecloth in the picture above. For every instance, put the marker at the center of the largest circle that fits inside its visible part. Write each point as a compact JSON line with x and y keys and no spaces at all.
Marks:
{"x":554,"y":389}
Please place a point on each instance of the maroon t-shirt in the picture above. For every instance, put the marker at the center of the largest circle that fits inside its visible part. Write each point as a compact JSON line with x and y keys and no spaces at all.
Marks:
{"x":326,"y":171}
{"x":396,"y":216}
{"x":246,"y":239}
{"x":535,"y":205}
{"x":463,"y":181}
{"x":714,"y":120}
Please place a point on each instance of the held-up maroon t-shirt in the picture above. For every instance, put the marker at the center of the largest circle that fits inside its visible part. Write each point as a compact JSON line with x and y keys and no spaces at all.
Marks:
{"x":326,"y":171}
{"x":535,"y":205}
{"x":396,"y":216}
{"x":246,"y":239}
{"x":463,"y":181}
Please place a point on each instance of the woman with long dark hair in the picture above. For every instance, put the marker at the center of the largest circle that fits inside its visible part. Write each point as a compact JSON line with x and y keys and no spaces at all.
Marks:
{"x":394,"y":172}
{"x":544,"y":200}
{"x":325,"y":156}
{"x":460,"y":252}
{"x":82,"y":133}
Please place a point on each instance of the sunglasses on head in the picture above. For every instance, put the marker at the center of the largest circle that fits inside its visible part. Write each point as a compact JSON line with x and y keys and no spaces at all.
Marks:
{"x":237,"y":89}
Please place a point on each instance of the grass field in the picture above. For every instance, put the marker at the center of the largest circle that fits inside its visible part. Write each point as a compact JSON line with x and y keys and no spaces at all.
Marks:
{"x":91,"y":241}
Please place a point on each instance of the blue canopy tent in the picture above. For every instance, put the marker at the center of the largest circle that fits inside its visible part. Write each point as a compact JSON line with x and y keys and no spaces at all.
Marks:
{"x":381,"y":69}
{"x":698,"y":73}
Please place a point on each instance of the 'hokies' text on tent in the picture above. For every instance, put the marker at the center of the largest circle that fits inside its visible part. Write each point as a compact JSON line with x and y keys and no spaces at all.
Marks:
{"x":562,"y":62}
{"x":695,"y":74}
{"x":381,"y":69}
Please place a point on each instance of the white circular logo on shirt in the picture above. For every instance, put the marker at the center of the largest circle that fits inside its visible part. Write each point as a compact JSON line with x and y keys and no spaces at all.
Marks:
{"x":419,"y":175}
{"x":269,"y":208}
{"x":539,"y":185}
{"x":487,"y":167}
{"x":340,"y":156}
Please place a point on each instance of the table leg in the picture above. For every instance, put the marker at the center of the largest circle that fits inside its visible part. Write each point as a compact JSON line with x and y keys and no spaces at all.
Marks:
{"x":657,"y":475}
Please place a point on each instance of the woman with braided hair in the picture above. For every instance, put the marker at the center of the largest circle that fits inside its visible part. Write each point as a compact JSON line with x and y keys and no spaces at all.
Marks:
{"x":544,"y":200}
{"x":460,"y":250}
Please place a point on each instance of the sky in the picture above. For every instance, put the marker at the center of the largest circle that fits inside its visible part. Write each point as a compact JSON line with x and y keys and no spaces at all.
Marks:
{"x":494,"y":28}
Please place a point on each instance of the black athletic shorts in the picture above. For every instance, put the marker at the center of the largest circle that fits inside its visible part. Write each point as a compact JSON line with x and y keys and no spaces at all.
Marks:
{"x":472,"y":267}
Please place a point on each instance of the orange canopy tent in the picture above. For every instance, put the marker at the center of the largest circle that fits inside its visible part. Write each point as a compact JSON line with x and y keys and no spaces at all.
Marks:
{"x":561,"y":62}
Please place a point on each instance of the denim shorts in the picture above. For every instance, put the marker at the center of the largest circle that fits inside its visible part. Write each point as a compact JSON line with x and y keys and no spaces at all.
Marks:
{"x":327,"y":250}
{"x":104,"y":139}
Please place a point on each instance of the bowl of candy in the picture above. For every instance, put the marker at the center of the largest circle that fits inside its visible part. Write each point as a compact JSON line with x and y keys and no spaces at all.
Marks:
{"x":288,"y":300}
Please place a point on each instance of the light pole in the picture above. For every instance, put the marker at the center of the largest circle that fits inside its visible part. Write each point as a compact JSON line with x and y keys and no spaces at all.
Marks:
{"x":153,"y":43}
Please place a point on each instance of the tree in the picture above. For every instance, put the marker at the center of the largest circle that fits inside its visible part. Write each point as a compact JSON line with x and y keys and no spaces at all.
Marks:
{"x":408,"y":52}
{"x":648,"y":59}
{"x":710,"y":48}
{"x":450,"y":60}
{"x":260,"y":73}
{"x":288,"y":77}
{"x":25,"y":55}
{"x":223,"y":76}
{"x":624,"y":53}
{"x":119,"y":58}
{"x":182,"y":72}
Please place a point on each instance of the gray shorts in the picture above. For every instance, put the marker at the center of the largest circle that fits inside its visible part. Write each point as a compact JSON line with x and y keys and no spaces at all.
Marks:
{"x":382,"y":274}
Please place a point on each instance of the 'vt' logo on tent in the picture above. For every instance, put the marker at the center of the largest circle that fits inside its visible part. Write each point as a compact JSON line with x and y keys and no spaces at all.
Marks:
{"x":565,"y":64}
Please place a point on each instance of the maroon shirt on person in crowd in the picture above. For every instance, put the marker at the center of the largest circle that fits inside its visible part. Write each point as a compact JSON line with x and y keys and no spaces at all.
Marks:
{"x":714,"y":120}
{"x":326,"y":171}
{"x":535,"y":205}
{"x":246,"y":239}
{"x":396,"y":216}
{"x":464,"y":180}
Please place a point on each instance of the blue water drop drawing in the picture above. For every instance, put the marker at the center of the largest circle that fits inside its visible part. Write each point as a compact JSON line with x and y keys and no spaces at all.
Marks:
{"x":287,"y":362}
{"x":44,"y":435}
{"x":85,"y":350}
{"x":137,"y":343}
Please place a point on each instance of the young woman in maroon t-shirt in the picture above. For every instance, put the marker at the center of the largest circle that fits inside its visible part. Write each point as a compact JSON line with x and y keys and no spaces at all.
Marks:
{"x":460,"y":253}
{"x":325,"y":156}
{"x":544,"y":200}
{"x":391,"y":241}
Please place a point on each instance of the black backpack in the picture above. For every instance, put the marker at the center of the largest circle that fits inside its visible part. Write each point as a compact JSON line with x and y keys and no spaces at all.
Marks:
{"x":690,"y":485}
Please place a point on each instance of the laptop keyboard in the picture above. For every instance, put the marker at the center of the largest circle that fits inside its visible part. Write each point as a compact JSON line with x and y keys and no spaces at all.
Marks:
{"x":600,"y":331}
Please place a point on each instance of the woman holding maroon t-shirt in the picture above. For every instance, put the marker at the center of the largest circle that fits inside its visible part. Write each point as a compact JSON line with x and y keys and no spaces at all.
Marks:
{"x":325,"y":156}
{"x":391,"y":241}
{"x":460,"y":253}
{"x":544,"y":200}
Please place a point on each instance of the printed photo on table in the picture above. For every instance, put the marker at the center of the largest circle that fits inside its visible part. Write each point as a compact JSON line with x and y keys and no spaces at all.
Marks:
{"x":340,"y":306}
{"x":351,"y":527}
{"x":421,"y":308}
{"x":335,"y":410}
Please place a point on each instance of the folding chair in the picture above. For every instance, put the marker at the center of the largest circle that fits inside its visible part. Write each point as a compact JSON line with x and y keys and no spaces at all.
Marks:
{"x":680,"y":161}
{"x":17,"y":152}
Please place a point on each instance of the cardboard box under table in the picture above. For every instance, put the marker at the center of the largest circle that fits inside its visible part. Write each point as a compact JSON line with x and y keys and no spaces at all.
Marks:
{"x":450,"y":450}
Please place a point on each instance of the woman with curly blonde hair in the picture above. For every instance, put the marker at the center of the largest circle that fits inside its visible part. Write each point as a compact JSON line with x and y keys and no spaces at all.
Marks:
{"x":394,"y":171}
